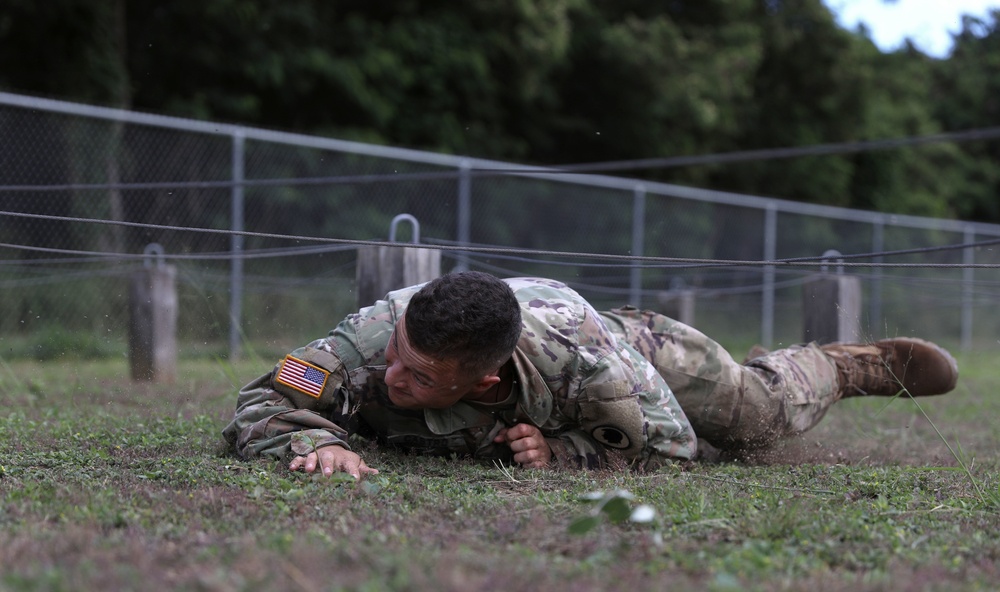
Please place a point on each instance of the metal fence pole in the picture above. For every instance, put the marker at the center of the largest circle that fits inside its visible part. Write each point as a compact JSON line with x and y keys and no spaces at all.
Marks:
{"x":638,"y":240}
{"x":236,"y":247}
{"x":875,"y":299}
{"x":968,"y":284}
{"x":770,"y":254}
{"x":464,"y":213}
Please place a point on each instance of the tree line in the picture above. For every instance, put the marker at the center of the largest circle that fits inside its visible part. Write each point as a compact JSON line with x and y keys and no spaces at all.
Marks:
{"x":549,"y":82}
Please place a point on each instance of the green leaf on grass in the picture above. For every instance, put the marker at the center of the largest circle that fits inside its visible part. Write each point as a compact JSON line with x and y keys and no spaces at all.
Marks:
{"x":584,"y":524}
{"x":617,"y":509}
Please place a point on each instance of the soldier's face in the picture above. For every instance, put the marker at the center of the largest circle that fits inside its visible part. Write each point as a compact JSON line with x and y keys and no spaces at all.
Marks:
{"x":418,"y":381}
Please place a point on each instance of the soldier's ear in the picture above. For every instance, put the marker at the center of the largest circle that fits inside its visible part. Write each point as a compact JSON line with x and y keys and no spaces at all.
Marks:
{"x":486,"y":383}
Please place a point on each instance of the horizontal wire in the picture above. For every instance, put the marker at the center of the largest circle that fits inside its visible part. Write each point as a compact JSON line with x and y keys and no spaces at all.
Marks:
{"x":670,"y":262}
{"x":269,"y":284}
{"x":822,"y":259}
{"x":100,"y":256}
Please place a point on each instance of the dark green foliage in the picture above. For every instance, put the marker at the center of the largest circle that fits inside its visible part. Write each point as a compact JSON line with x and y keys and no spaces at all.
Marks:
{"x":557,"y":81}
{"x":967,"y":95}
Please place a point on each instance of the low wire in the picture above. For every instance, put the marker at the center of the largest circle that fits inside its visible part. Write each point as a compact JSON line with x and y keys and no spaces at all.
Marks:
{"x":633,"y":261}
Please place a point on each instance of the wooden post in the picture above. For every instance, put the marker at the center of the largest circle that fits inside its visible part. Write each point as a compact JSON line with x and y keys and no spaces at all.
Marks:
{"x":678,"y":304}
{"x":153,"y":322}
{"x":383,"y":269}
{"x":832,"y":308}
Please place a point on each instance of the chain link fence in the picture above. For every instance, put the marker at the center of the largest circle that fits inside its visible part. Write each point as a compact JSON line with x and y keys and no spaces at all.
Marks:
{"x":262,"y":227}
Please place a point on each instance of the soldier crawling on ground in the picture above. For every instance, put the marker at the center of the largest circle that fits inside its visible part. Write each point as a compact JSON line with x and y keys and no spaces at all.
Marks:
{"x":524,"y":370}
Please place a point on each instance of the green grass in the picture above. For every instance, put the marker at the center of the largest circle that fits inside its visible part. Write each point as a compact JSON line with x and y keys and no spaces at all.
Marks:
{"x":110,"y":484}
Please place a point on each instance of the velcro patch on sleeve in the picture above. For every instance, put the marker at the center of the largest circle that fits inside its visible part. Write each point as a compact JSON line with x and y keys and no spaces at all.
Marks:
{"x":302,"y":376}
{"x":613,"y":417}
{"x":611,"y":436}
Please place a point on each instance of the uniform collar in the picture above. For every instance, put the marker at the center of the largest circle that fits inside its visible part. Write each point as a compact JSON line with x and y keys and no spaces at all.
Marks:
{"x":534,"y":400}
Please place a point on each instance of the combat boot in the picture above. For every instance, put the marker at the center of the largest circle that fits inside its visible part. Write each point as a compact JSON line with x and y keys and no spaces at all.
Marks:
{"x":890,"y":366}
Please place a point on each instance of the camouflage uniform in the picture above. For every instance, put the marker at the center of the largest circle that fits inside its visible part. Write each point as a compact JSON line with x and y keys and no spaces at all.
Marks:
{"x":587,"y":390}
{"x":731,"y":405}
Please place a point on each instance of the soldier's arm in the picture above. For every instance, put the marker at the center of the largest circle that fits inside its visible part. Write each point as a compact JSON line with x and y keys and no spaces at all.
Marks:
{"x":625,"y":407}
{"x":669,"y":435}
{"x":293,"y":410}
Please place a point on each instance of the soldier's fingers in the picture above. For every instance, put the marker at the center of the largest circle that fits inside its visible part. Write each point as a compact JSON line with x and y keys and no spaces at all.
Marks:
{"x":501,"y":436}
{"x":327,"y":460}
{"x":303,"y":462}
{"x":333,"y":458}
{"x":525,"y":444}
{"x":532,"y":459}
{"x":351,"y":464}
{"x":523,"y":458}
{"x":521,"y":430}
{"x":534,"y":452}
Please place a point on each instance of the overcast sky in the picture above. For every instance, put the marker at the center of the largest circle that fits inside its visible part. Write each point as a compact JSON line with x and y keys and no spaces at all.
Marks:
{"x":929,"y":23}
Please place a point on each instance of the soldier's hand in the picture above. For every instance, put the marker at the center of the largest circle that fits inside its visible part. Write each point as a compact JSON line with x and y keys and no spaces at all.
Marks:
{"x":332,"y":458}
{"x":528,"y":444}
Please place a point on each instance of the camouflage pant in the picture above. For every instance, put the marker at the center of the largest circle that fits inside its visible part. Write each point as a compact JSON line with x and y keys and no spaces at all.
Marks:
{"x":731,"y":405}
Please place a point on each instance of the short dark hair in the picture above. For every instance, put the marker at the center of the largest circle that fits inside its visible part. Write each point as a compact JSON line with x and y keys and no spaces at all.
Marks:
{"x":471,"y":316}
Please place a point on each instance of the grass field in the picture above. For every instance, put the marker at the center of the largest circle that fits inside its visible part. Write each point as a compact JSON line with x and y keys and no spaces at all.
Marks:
{"x":108,"y":484}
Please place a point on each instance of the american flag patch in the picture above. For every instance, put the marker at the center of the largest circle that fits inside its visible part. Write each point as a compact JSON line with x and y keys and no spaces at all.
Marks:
{"x":302,"y":376}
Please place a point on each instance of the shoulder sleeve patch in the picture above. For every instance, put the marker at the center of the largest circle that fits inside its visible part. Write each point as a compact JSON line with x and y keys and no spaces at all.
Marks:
{"x":613,"y":417}
{"x":611,"y":436}
{"x":302,"y":376}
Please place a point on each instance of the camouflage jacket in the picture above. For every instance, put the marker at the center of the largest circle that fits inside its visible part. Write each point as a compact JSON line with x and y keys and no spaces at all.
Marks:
{"x":587,"y":391}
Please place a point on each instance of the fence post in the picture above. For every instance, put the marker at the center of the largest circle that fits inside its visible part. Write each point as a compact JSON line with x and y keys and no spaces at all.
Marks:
{"x":381,"y":269}
{"x":968,"y":286}
{"x":678,"y":302}
{"x":153,"y":319}
{"x":832,"y":305}
{"x":638,"y":241}
{"x":236,"y":247}
{"x":767,"y":289}
{"x":877,"y":274}
{"x":464,"y":213}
